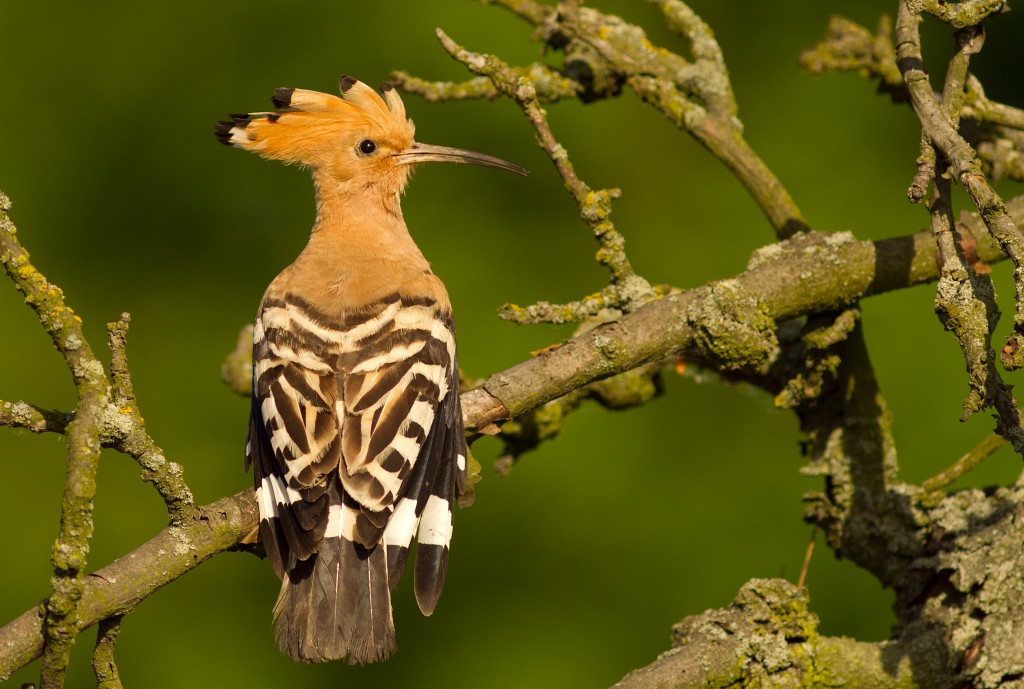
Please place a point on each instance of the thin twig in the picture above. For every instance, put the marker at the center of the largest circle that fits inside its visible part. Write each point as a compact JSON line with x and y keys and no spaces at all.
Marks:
{"x":925,"y":172}
{"x":694,"y":94}
{"x":977,"y":106}
{"x":121,"y":429}
{"x":551,"y":86}
{"x":124,"y":420}
{"x":986,"y":384}
{"x":103,"y":666}
{"x":530,"y":10}
{"x":964,"y":301}
{"x":849,"y":47}
{"x":961,"y":467}
{"x":33,"y":418}
{"x":807,"y":558}
{"x":595,"y":205}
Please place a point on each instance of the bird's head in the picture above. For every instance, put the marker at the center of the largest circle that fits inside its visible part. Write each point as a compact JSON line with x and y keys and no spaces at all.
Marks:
{"x":361,"y":140}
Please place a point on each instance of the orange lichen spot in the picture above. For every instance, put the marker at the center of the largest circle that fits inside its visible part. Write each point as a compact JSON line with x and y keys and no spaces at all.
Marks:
{"x":545,"y":350}
{"x":680,"y":365}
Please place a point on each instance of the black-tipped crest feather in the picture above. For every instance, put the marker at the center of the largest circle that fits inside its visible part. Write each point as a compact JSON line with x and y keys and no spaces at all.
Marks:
{"x":282,"y":97}
{"x":346,"y":82}
{"x":222,"y":130}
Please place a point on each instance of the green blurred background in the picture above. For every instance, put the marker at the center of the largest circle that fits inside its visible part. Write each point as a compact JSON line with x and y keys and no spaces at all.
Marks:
{"x":571,"y":570}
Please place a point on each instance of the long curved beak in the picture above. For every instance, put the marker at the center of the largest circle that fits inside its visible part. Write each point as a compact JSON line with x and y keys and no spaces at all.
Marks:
{"x":423,"y":153}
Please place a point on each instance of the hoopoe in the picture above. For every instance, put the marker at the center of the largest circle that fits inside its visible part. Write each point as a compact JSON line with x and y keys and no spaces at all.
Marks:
{"x":355,"y":431}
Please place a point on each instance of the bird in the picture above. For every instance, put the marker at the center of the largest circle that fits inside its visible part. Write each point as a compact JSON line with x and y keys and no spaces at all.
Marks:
{"x":355,"y":434}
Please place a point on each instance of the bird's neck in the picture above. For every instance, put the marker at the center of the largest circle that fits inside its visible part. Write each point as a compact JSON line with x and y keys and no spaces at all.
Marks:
{"x":360,"y":250}
{"x":362,"y":220}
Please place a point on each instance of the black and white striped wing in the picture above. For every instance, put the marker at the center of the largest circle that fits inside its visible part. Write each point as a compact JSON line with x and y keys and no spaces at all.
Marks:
{"x":294,"y":440}
{"x":403,"y":446}
{"x":372,"y":405}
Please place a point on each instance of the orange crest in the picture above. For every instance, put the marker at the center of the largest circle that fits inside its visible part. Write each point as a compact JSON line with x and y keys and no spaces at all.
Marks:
{"x":342,"y":137}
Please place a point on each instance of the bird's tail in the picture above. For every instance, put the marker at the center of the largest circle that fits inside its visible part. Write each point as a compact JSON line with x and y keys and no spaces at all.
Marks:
{"x":336,"y":604}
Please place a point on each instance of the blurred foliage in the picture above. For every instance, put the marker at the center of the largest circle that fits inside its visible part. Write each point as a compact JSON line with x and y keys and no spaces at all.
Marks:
{"x":571,"y":570}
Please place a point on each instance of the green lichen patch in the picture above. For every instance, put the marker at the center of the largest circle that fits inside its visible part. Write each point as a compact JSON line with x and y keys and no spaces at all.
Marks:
{"x":732,"y":329}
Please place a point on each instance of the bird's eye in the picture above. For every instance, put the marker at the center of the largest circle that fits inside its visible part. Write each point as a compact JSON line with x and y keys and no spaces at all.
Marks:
{"x":367,"y":146}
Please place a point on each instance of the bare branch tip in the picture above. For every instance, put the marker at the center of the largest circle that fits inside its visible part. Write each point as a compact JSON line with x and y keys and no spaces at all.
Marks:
{"x":446,"y":40}
{"x":120,"y":326}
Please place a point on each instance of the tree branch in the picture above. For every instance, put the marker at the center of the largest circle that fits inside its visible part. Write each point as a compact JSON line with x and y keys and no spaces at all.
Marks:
{"x":71,"y":549}
{"x":784,"y":281}
{"x":996,"y":134}
{"x":627,"y":290}
{"x":958,"y":610}
{"x":767,"y":638}
{"x":125,"y":431}
{"x":958,"y":14}
{"x":117,"y":588}
{"x":603,"y":52}
{"x":972,"y":319}
{"x":103,"y":666}
{"x":110,"y":415}
{"x":978,"y":454}
{"x":549,"y":84}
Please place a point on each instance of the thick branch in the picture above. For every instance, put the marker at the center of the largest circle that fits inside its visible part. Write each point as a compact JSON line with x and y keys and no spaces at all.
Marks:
{"x":785,"y":280}
{"x":768,"y":638}
{"x":958,"y":604}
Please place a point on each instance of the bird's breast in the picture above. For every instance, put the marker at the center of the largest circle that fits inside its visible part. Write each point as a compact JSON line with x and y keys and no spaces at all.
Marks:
{"x":339,"y":291}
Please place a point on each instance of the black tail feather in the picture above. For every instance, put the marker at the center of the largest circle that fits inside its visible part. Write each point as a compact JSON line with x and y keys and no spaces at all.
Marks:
{"x":397,"y":557}
{"x":440,"y":481}
{"x":366,"y":592}
{"x":319,"y":617}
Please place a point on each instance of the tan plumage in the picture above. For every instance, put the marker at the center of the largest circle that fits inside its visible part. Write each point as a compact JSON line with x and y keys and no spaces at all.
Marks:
{"x":355,"y":433}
